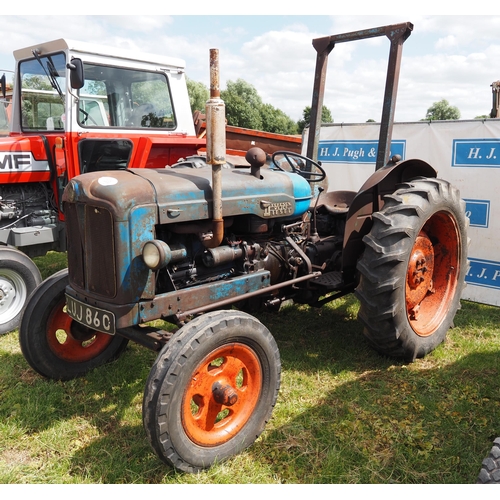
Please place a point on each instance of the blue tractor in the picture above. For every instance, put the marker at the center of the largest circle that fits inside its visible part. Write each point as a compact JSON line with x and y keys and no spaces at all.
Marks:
{"x":202,"y":245}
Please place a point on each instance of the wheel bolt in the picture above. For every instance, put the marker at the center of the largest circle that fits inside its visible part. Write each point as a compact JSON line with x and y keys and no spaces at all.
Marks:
{"x":224,"y":395}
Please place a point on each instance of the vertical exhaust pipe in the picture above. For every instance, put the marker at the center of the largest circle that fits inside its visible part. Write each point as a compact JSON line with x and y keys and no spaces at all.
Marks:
{"x":215,"y":111}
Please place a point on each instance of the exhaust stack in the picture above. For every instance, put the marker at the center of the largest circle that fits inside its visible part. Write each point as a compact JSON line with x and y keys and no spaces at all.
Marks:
{"x":215,"y":111}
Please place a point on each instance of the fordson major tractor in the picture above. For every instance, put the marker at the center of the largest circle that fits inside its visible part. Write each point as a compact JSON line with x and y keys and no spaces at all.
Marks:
{"x":203,"y":248}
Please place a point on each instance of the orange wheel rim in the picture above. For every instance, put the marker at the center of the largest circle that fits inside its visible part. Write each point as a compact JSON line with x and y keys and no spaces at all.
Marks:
{"x":222,"y":394}
{"x":433,"y":269}
{"x":73,"y":342}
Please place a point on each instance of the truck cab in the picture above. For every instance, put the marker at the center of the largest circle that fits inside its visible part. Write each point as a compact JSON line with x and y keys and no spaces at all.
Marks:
{"x":134,"y":106}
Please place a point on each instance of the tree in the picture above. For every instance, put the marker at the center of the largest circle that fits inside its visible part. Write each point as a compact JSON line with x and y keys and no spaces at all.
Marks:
{"x":198,"y":95}
{"x":326,"y":117}
{"x":276,"y":121}
{"x":442,"y":110}
{"x":243,"y":105}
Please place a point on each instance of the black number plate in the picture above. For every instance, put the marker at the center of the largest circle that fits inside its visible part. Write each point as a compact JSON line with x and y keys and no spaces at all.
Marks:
{"x":93,"y":317}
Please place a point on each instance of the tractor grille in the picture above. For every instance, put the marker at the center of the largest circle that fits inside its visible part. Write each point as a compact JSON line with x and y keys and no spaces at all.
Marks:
{"x":91,"y":250}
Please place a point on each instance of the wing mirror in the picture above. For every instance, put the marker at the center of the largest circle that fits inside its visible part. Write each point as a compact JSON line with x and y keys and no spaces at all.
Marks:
{"x":76,"y":75}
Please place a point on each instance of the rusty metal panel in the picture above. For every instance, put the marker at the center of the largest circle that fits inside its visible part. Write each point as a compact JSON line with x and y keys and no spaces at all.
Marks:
{"x":172,"y":303}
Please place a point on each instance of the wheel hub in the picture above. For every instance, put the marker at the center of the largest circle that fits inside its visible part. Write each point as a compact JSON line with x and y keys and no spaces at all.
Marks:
{"x":420,"y":271}
{"x":12,"y":295}
{"x":224,"y":395}
{"x":7,"y":293}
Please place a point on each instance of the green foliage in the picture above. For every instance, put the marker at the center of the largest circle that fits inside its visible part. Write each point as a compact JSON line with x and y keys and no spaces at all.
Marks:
{"x":275,"y":120}
{"x":244,"y":107}
{"x":198,"y":95}
{"x":326,"y":117}
{"x":442,"y":110}
{"x":4,"y":122}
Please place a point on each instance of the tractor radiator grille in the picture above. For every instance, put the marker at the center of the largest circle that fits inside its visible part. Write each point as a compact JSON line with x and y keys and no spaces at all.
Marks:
{"x":91,"y":250}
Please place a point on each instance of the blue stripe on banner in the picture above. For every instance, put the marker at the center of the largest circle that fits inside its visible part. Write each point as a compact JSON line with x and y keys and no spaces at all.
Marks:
{"x":484,"y":273}
{"x":478,"y":212}
{"x":355,"y":151}
{"x":476,"y":153}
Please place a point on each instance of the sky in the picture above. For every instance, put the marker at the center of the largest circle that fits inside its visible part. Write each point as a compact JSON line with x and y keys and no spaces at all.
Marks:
{"x":446,"y":57}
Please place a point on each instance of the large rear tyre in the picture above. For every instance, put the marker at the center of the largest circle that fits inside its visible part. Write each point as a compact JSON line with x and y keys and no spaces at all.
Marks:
{"x":490,"y":468}
{"x":413,"y":269}
{"x":19,"y":276}
{"x":211,"y":390}
{"x":56,"y":346}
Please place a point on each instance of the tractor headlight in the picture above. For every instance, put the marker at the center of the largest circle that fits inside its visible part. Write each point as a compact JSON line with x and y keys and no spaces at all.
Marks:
{"x":156,"y":254}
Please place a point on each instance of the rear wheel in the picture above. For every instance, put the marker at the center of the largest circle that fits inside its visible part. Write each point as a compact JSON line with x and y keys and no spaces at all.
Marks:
{"x":19,"y":276}
{"x":413,"y":269}
{"x":56,"y":346}
{"x":211,"y":390}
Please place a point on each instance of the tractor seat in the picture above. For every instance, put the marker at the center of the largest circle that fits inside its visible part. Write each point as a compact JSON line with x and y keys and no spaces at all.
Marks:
{"x":335,"y":202}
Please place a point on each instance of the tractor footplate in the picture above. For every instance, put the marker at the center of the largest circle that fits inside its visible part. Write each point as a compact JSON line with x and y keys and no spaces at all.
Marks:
{"x":329,"y":281}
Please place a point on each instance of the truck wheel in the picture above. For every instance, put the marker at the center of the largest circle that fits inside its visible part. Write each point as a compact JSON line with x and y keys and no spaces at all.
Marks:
{"x":413,"y":269}
{"x":490,"y":468}
{"x":211,"y":390}
{"x":19,"y":276}
{"x":56,"y":346}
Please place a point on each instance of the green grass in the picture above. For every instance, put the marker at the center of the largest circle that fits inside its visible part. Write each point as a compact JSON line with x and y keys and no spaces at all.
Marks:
{"x":344,"y":414}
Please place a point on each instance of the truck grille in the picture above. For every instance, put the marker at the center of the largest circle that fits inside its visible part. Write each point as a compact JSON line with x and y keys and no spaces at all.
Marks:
{"x":91,"y":251}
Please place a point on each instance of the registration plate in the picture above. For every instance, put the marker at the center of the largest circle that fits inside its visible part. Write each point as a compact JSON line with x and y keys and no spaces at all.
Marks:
{"x":93,"y":317}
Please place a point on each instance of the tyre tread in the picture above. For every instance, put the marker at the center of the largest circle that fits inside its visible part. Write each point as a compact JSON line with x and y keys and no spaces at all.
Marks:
{"x":387,"y":246}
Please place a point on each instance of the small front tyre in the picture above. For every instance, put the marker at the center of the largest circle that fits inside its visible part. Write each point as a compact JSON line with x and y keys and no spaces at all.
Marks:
{"x":211,"y":390}
{"x":56,"y":346}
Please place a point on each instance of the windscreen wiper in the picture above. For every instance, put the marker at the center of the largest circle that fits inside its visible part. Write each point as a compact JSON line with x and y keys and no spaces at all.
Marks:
{"x":51,"y":73}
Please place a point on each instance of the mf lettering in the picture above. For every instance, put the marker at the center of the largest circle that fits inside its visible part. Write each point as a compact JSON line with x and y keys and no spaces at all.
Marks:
{"x":14,"y":161}
{"x":476,"y":153}
{"x":484,"y":273}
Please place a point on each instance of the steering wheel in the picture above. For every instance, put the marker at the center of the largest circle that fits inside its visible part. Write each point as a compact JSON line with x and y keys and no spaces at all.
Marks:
{"x":299,"y":165}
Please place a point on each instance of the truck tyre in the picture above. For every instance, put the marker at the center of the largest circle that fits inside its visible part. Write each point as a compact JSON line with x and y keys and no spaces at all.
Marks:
{"x":413,"y":268}
{"x":19,"y":276}
{"x":490,"y":468}
{"x":211,"y":390}
{"x":56,"y":346}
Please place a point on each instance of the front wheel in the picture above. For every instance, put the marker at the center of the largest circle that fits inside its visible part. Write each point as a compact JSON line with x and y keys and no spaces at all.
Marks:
{"x":413,"y":269}
{"x":211,"y":390}
{"x":56,"y":346}
{"x":19,"y":276}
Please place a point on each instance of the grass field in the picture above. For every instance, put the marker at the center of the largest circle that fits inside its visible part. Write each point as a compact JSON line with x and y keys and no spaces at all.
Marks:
{"x":344,"y":414}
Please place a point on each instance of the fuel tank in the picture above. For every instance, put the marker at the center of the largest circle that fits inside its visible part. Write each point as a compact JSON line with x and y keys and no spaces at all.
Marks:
{"x":185,"y":194}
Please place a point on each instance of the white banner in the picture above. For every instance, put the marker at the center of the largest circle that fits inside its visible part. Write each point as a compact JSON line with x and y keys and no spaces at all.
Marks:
{"x":465,"y":153}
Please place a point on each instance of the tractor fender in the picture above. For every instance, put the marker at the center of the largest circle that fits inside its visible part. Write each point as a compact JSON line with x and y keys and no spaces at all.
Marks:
{"x":370,"y":199}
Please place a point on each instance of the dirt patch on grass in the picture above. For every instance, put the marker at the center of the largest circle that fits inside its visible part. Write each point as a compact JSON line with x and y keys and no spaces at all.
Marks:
{"x":15,"y":457}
